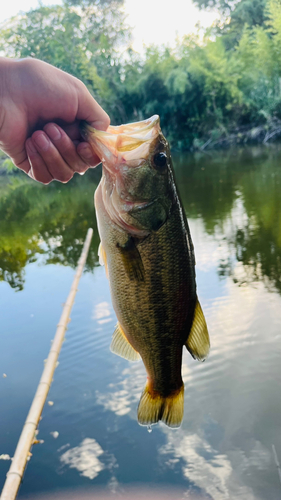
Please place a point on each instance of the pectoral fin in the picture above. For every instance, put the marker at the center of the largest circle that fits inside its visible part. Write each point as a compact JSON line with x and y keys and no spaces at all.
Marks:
{"x":198,"y":342}
{"x":102,"y":258}
{"x":121,"y":346}
{"x":132,"y":261}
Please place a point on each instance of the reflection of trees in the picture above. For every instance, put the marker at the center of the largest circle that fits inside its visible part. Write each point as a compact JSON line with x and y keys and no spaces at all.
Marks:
{"x":258,"y":241}
{"x":208,"y":185}
{"x":53,"y":220}
{"x":50,"y":220}
{"x":209,"y":189}
{"x":260,"y":255}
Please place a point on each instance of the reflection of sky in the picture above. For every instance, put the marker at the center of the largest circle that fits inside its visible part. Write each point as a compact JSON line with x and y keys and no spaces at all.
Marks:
{"x":84,"y":458}
{"x":211,"y":470}
{"x":210,"y":250}
{"x":222,"y":397}
{"x":232,"y":401}
{"x":102,"y":313}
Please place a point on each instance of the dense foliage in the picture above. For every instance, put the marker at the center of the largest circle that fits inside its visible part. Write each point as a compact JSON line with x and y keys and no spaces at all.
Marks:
{"x":210,"y":86}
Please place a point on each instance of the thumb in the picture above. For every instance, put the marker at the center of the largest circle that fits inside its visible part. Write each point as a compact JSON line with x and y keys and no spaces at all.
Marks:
{"x":90,"y":111}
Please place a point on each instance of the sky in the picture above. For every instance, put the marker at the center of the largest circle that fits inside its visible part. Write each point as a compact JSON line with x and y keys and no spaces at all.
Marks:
{"x":151,"y":21}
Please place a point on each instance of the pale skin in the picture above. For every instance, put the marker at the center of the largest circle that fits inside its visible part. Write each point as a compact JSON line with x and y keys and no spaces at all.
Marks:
{"x":40,"y":110}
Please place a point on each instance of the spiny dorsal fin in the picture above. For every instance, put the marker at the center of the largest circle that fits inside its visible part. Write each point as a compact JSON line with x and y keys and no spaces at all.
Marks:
{"x":198,"y":342}
{"x":154,"y":407}
{"x":102,"y":258}
{"x":121,"y":346}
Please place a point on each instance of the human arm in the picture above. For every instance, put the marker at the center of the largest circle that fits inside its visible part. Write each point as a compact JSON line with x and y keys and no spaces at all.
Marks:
{"x":40,"y":110}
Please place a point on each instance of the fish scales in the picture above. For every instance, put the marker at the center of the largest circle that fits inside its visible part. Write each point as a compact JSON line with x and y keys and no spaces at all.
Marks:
{"x":167,"y":296}
{"x":150,"y":265}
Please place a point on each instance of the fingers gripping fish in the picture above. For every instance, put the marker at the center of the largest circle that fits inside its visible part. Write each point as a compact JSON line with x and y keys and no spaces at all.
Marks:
{"x":148,"y":254}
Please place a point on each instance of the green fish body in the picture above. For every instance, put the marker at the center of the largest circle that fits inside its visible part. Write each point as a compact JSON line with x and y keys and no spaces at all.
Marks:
{"x":148,"y":254}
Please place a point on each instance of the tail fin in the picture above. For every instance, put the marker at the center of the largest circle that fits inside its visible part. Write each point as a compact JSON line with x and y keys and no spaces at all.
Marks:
{"x":153,"y":407}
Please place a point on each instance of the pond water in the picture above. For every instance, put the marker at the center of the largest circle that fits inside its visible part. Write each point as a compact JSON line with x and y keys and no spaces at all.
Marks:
{"x":92,"y":440}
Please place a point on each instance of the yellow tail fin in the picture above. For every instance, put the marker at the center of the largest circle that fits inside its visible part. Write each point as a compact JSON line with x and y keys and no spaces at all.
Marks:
{"x":153,"y":408}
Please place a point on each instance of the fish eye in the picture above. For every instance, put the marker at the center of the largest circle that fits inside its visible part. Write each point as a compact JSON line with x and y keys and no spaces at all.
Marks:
{"x":160,"y":161}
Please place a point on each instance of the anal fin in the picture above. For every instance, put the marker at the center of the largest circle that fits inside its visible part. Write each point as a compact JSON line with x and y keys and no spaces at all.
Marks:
{"x":121,"y":346}
{"x":198,"y":342}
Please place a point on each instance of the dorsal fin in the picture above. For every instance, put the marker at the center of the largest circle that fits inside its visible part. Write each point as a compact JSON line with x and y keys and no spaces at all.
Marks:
{"x":198,"y":342}
{"x":121,"y":346}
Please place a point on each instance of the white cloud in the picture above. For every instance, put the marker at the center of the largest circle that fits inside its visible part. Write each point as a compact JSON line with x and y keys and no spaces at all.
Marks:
{"x":207,"y":468}
{"x":84,"y":458}
{"x":102,"y":313}
{"x":123,"y":395}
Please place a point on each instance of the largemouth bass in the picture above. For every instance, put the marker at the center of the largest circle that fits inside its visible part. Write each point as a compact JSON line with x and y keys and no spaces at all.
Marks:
{"x":148,"y":254}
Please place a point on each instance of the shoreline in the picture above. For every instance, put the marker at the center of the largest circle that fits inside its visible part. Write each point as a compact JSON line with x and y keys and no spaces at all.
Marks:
{"x":241,"y":136}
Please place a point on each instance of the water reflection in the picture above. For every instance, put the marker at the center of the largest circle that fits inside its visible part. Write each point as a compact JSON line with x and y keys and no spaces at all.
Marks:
{"x":45,"y":220}
{"x":232,"y":402}
{"x":216,"y":473}
{"x":224,"y":445}
{"x":236,"y":195}
{"x":123,"y":396}
{"x":84,"y":458}
{"x":102,"y":313}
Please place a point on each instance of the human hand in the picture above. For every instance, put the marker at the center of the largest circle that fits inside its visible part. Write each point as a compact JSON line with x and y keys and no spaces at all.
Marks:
{"x":40,"y":110}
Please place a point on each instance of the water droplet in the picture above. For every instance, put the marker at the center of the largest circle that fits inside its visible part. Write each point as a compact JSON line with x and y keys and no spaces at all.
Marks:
{"x":149,"y":428}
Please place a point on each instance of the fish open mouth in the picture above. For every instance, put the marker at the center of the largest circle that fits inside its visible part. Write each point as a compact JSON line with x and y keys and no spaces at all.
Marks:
{"x":128,"y":143}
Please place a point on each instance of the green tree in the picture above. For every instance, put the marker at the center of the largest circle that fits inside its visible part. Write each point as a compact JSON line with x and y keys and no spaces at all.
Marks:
{"x":234,"y":16}
{"x":250,"y":13}
{"x":224,"y":7}
{"x":80,"y":37}
{"x":203,"y":90}
{"x":237,"y":12}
